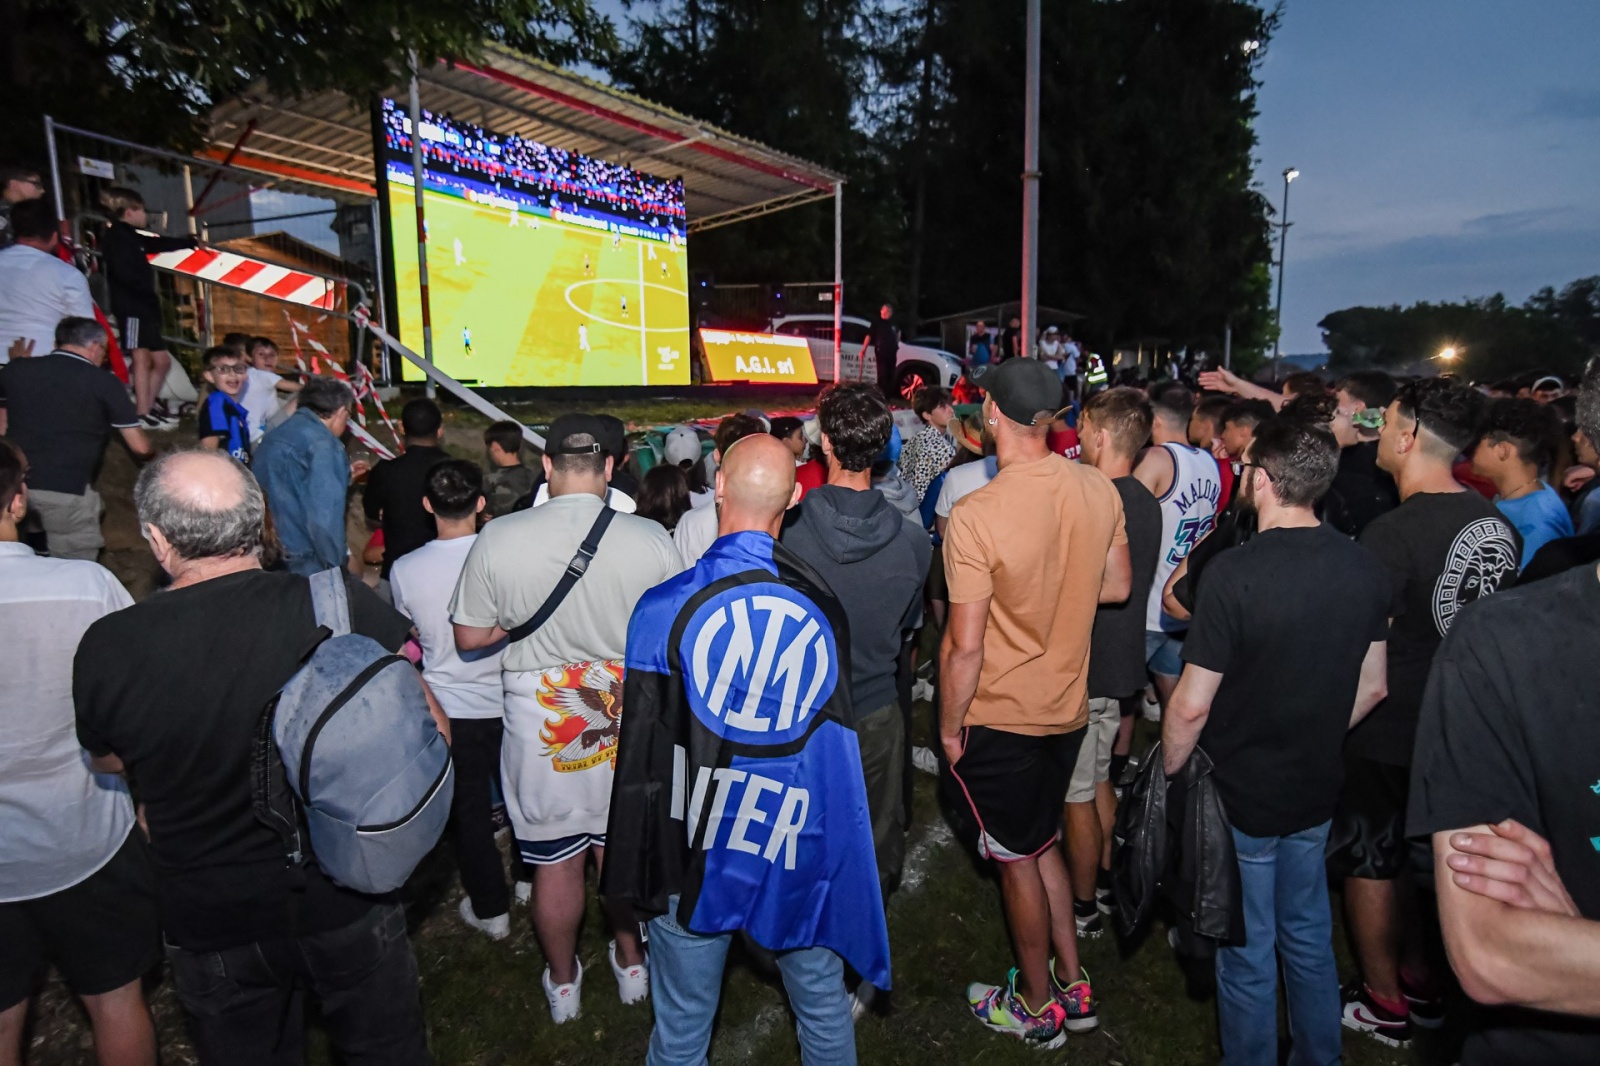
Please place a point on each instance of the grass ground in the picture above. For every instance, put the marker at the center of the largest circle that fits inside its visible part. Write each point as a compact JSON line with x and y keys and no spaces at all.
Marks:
{"x":484,"y":1003}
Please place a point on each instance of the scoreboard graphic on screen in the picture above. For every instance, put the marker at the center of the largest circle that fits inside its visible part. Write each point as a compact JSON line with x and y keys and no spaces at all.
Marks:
{"x":545,"y":267}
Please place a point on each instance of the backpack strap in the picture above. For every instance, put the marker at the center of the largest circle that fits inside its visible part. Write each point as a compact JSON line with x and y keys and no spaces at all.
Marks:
{"x":331,"y":601}
{"x":575,"y":570}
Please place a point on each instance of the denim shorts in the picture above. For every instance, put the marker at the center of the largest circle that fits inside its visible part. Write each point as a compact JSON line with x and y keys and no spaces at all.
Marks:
{"x":1163,"y":652}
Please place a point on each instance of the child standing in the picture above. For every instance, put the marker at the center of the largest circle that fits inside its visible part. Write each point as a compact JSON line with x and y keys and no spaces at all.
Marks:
{"x":508,"y":481}
{"x":223,"y":422}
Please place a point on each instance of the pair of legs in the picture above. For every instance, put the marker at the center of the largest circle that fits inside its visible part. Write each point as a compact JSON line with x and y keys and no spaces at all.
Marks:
{"x":475,"y":749}
{"x":102,"y":934}
{"x":124,"y":1035}
{"x":244,"y":1004}
{"x":1091,"y":806}
{"x":686,"y":975}
{"x":1284,"y":887}
{"x":1015,"y":785}
{"x":149,"y":370}
{"x":1369,"y":850}
{"x":559,"y":895}
{"x":1038,"y":901}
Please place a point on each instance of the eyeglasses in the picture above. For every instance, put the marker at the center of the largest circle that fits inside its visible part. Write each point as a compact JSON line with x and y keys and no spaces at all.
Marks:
{"x":1239,"y":469}
{"x":229,"y":369}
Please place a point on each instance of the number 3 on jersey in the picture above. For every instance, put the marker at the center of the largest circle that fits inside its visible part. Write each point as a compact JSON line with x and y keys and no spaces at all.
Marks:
{"x":1191,"y":531}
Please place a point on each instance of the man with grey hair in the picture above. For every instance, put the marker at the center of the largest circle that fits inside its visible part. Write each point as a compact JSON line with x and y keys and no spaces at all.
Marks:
{"x":246,"y":932}
{"x":305,"y":472}
{"x":60,"y":409}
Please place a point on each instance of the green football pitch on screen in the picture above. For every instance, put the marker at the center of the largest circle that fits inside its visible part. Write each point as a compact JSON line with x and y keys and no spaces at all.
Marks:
{"x":522,"y":299}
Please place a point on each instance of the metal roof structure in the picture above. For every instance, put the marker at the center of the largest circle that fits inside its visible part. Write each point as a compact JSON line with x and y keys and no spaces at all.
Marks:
{"x":324,"y":142}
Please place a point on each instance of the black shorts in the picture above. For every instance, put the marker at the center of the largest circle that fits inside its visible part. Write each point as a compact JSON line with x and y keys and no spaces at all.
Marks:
{"x":1368,"y":835}
{"x":1014,"y":785}
{"x":101,"y":933}
{"x":141,"y":331}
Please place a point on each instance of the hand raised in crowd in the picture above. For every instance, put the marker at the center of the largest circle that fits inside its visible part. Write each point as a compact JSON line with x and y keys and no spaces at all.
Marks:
{"x":359,"y":468}
{"x":1221,"y":381}
{"x":1512,"y":864}
{"x":21,"y":348}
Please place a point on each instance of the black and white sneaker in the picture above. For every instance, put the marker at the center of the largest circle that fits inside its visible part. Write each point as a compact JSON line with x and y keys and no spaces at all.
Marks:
{"x":157,"y":424}
{"x":1105,"y":898}
{"x":1363,"y":1014}
{"x":1087,"y":915}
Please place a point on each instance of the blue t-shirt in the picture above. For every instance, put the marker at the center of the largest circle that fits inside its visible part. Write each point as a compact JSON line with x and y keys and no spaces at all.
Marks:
{"x":1540,"y":517}
{"x":219,"y":416}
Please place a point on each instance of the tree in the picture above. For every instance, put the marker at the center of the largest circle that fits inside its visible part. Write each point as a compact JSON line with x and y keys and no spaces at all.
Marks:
{"x":1552,"y":331}
{"x":149,"y":72}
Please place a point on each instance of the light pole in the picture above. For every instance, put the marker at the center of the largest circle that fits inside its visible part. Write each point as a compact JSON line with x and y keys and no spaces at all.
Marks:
{"x":1289,"y":174}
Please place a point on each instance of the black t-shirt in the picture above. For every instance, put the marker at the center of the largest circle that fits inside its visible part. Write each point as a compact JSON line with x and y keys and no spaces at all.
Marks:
{"x":61,"y":410}
{"x":1286,"y":619}
{"x":1360,"y":491}
{"x":175,"y":687}
{"x":1443,"y":550}
{"x":1235,"y":524}
{"x":1116,"y":647}
{"x":1559,"y":556}
{"x":1511,"y":729}
{"x":885,"y":339}
{"x":394,"y":496}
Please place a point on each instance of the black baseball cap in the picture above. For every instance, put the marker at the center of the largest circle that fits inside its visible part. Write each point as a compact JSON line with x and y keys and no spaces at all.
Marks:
{"x":565,"y":427}
{"x":1027,"y":391}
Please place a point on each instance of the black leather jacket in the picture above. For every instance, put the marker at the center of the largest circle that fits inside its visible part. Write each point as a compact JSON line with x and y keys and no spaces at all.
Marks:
{"x":1173,"y":837}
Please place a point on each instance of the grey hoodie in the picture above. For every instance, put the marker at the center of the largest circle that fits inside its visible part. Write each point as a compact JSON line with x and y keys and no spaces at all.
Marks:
{"x":875,"y":560}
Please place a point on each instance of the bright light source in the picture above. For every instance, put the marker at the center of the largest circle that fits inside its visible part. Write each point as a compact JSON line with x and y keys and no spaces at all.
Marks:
{"x":1447,"y":353}
{"x":1251,"y":47}
{"x":1290,"y":173}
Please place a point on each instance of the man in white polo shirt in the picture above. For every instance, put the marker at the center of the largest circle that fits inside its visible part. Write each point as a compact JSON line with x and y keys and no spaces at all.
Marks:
{"x":76,"y":885}
{"x":37,"y":289}
{"x":563,"y":682}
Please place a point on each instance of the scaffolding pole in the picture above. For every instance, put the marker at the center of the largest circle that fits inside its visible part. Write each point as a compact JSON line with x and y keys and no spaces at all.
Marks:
{"x":838,"y":273}
{"x":1030,"y":188}
{"x":419,"y":181}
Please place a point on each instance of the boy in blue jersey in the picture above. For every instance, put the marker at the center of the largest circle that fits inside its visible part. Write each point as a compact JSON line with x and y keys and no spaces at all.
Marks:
{"x":1515,"y":450}
{"x":222,"y":422}
{"x":739,"y":802}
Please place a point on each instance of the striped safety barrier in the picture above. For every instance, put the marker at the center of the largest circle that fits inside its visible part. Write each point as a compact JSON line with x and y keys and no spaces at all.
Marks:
{"x":251,"y":275}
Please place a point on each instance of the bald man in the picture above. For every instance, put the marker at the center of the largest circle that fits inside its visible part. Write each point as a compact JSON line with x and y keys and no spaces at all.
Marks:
{"x":736,"y":691}
{"x":165,"y":692}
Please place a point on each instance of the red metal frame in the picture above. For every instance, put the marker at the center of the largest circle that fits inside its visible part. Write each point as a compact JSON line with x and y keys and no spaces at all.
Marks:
{"x":287,"y":170}
{"x":638,"y":125}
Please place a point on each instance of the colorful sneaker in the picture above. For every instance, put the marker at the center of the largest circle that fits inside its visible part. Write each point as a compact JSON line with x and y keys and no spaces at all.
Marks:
{"x":633,"y":982}
{"x":1363,"y":1014}
{"x":1077,"y":999}
{"x":566,"y":1001}
{"x":1001,"y":1009}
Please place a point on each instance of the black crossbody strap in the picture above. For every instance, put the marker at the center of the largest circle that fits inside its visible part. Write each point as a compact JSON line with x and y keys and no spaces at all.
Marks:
{"x":575,"y":569}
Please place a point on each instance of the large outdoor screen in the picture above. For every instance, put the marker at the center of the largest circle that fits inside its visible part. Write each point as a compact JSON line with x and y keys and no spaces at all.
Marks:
{"x":545,"y":267}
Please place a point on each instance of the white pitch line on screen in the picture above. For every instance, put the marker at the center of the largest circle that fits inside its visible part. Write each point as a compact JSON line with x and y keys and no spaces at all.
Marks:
{"x":644,"y":328}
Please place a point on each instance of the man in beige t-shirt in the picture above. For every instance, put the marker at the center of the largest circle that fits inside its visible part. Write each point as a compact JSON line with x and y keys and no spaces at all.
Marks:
{"x":1028,"y":558}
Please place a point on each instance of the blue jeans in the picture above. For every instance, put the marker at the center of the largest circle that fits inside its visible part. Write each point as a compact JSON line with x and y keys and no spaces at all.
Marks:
{"x":1286,"y":916}
{"x":686,"y":985}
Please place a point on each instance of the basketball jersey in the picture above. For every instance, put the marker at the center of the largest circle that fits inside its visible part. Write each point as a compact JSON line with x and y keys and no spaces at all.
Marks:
{"x":1188,"y":511}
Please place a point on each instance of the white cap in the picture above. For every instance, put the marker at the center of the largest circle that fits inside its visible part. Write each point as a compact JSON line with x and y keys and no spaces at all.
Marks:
{"x":682,"y":446}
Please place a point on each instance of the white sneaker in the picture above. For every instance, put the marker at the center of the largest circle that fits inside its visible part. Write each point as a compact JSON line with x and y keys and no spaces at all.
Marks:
{"x":524,"y":891}
{"x":633,"y":982}
{"x":497,"y":928}
{"x":922,"y":690}
{"x":566,"y":1001}
{"x":861,"y":1001}
{"x":925,"y":760}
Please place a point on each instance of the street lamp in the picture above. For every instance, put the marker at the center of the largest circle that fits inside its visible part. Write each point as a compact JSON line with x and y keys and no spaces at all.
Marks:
{"x":1289,"y":174}
{"x":1448,"y":353}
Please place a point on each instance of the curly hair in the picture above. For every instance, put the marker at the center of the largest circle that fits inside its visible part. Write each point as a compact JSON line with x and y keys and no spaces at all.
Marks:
{"x":857,"y":423}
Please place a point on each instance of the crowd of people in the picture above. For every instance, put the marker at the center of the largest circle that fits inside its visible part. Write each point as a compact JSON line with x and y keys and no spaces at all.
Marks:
{"x":701,"y":677}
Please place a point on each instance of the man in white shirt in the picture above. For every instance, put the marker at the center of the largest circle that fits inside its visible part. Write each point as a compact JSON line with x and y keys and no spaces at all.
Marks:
{"x":697,"y":529}
{"x":37,"y":290}
{"x":76,"y":885}
{"x":467,"y":684}
{"x":563,"y":684}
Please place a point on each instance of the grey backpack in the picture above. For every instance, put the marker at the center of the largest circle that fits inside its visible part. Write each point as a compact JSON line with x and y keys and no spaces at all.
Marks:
{"x":358,"y":754}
